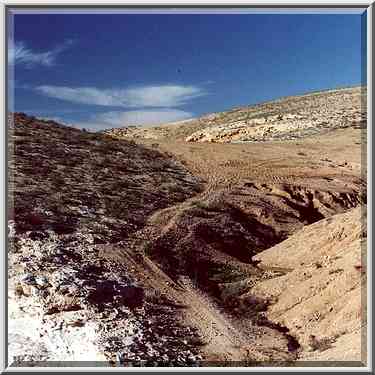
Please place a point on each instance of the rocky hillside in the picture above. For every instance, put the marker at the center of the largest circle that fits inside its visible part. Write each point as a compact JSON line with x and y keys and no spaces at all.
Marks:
{"x":284,"y":119}
{"x":62,"y":179}
{"x":71,"y":192}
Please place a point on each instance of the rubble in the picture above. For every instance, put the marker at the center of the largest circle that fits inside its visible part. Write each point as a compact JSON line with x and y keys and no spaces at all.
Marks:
{"x":109,"y":312}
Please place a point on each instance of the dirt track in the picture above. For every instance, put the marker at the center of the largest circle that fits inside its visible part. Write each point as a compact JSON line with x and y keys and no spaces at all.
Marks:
{"x":331,"y":163}
{"x":226,"y":164}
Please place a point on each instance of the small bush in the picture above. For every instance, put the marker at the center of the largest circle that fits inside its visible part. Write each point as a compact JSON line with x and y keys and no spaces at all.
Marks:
{"x":320,"y":344}
{"x":57,"y":180}
{"x":213,"y":205}
{"x":148,"y":248}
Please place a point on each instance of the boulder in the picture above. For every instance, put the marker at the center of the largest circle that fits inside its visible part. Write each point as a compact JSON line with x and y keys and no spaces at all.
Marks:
{"x":132,"y":295}
{"x":110,"y":291}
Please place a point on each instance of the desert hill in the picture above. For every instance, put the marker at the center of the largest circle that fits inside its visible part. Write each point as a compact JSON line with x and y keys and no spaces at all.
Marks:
{"x":191,"y":247}
{"x":283,"y":119}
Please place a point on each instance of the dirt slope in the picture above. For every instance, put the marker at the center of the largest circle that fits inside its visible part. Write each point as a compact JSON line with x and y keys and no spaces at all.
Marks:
{"x":321,"y":296}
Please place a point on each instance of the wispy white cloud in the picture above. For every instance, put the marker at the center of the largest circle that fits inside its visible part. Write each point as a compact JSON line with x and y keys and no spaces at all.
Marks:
{"x":47,"y":112}
{"x":20,"y":53}
{"x":162,"y":96}
{"x":142,"y":117}
{"x":138,"y":97}
{"x":58,"y":119}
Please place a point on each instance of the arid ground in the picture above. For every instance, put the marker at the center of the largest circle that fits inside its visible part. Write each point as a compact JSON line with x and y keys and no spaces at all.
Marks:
{"x":235,"y":239}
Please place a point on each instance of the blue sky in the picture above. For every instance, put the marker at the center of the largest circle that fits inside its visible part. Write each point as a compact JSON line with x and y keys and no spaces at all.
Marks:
{"x":109,"y":70}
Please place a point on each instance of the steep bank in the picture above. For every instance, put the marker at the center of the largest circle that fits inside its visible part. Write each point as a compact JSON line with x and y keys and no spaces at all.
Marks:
{"x":321,"y":297}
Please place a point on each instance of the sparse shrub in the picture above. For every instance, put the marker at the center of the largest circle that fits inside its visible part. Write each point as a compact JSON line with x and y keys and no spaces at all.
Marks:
{"x":57,"y":180}
{"x":65,"y":225}
{"x":228,"y":275}
{"x":154,"y":296}
{"x":197,"y":341}
{"x":211,"y":205}
{"x":255,"y":304}
{"x":338,"y":270}
{"x":147,"y":248}
{"x":107,"y":161}
{"x":320,"y":344}
{"x":110,"y":147}
{"x":35,"y":219}
{"x":173,"y":188}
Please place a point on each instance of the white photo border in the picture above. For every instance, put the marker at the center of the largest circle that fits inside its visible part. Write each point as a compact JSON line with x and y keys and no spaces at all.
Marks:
{"x":70,"y":6}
